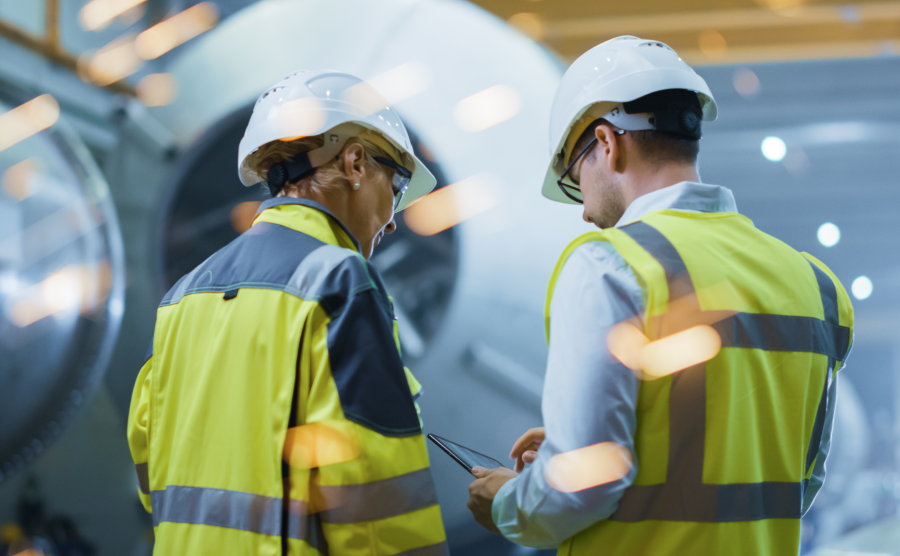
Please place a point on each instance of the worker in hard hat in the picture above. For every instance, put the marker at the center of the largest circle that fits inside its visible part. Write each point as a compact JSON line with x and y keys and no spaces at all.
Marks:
{"x":690,"y":386}
{"x":273,"y":414}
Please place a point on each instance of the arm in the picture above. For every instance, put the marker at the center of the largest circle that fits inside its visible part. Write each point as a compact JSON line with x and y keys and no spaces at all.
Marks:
{"x":589,"y":398}
{"x":139,"y":429}
{"x":381,"y":492}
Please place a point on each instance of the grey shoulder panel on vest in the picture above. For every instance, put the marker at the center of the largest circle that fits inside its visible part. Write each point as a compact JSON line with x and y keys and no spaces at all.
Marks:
{"x":330,"y":275}
{"x":271,"y":256}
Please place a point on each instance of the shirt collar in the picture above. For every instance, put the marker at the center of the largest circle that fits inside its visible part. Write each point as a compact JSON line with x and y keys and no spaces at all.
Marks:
{"x":298,"y":224}
{"x":687,"y":195}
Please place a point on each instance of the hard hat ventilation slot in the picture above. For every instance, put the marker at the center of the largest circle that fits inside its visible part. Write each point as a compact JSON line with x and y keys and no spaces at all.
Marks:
{"x":267,"y":93}
{"x":656,"y":44}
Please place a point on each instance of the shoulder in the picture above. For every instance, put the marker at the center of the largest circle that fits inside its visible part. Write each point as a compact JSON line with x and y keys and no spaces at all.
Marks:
{"x":595,"y":274}
{"x":595,"y":256}
{"x":332,"y":275}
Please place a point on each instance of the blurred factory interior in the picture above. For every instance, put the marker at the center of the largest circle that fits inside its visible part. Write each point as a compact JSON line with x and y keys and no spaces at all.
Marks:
{"x":125,"y":180}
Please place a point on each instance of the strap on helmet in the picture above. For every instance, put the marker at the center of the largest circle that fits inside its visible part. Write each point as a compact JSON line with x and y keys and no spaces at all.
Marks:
{"x":303,"y":164}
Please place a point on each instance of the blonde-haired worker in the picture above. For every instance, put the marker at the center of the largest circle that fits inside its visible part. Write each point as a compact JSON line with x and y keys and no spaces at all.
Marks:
{"x":273,"y":414}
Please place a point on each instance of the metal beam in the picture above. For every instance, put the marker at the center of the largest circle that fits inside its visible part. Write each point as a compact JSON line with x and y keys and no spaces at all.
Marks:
{"x":49,"y":46}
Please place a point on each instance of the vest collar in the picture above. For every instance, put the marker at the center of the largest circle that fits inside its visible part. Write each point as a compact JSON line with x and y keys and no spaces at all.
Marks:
{"x":687,"y":196}
{"x":307,"y":217}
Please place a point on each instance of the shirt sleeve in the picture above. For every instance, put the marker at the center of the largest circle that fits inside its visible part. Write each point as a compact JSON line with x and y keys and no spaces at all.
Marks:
{"x":589,"y":398}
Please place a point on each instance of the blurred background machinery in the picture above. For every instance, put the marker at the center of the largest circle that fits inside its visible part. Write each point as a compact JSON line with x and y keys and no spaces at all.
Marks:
{"x":809,"y":145}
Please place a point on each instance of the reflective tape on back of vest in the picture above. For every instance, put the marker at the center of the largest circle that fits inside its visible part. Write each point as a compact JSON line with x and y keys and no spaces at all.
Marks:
{"x":684,"y":496}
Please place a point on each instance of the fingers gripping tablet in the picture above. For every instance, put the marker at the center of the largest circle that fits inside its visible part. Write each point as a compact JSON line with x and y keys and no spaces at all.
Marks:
{"x":464,"y":456}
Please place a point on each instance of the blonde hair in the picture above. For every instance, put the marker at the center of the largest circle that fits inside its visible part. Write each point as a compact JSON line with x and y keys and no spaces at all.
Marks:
{"x":329,"y":176}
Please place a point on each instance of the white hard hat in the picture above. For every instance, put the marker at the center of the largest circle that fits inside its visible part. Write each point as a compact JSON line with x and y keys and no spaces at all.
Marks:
{"x":310,"y":103}
{"x":596,"y":85}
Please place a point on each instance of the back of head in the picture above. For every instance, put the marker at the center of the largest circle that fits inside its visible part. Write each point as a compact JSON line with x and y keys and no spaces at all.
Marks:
{"x":637,"y":85}
{"x":677,"y":118}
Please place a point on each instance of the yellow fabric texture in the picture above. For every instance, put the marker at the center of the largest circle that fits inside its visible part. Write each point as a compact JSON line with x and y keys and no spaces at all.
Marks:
{"x":211,"y":409}
{"x":760,"y":405}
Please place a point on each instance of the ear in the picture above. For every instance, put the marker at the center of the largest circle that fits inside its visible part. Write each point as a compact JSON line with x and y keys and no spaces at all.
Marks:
{"x":353,"y":159}
{"x":608,"y":146}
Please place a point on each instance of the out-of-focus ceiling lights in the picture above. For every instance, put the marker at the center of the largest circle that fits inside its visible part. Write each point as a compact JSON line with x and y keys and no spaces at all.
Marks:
{"x":773,"y":148}
{"x":733,"y":31}
{"x":829,"y":235}
{"x":861,"y":287}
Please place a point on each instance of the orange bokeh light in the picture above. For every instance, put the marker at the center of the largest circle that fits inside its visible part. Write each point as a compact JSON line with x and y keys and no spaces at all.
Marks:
{"x":156,"y":89}
{"x":177,"y":30}
{"x":318,"y":444}
{"x":487,"y":108}
{"x":83,"y":287}
{"x":242,"y":215}
{"x":664,"y":356}
{"x":680,"y":351}
{"x":112,"y":63}
{"x":17,"y":180}
{"x":450,"y":205}
{"x":27,"y":119}
{"x":588,"y":467}
{"x":97,"y":14}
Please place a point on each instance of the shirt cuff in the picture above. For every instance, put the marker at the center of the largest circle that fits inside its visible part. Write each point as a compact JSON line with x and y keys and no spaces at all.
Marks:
{"x":508,"y":490}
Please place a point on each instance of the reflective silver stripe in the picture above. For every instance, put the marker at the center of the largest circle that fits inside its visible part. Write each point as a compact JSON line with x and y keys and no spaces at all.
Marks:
{"x":828,"y":292}
{"x":262,"y":514}
{"x":439,"y":549}
{"x":710,"y":503}
{"x":306,"y":527}
{"x":378,"y":499}
{"x":750,"y":330}
{"x":784,"y":333}
{"x":217,"y":507}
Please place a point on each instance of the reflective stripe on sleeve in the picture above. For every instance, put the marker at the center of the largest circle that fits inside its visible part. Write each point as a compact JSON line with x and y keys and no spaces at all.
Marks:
{"x":217,"y":507}
{"x":378,"y":499}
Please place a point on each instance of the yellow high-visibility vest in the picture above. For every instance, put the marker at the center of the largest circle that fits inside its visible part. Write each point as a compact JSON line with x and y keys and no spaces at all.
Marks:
{"x":273,"y":414}
{"x":724,"y":448}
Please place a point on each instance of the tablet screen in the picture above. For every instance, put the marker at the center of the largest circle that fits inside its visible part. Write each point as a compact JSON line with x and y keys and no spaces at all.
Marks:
{"x":466,"y":457}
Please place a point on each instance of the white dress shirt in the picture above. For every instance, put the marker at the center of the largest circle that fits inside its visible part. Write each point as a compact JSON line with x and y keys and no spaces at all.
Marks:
{"x":589,"y":397}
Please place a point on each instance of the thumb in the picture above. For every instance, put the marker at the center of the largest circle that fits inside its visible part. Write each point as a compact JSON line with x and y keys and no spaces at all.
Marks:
{"x":479,"y":472}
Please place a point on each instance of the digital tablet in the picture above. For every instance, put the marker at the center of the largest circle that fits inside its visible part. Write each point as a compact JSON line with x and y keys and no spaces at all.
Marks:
{"x":464,"y":456}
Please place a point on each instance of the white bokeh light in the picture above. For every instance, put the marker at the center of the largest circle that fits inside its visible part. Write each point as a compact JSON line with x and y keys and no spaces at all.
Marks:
{"x":829,"y":234}
{"x":862,"y":287}
{"x":773,"y":148}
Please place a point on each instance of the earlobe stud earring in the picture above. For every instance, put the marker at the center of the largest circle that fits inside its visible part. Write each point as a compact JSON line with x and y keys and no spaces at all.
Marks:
{"x":355,"y":186}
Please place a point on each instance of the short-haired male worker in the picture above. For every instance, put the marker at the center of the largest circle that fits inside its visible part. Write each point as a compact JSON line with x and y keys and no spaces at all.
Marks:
{"x":726,"y":454}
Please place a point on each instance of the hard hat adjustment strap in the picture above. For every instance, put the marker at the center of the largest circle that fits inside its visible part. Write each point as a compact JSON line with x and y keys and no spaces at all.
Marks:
{"x":302,"y":164}
{"x":629,"y":122}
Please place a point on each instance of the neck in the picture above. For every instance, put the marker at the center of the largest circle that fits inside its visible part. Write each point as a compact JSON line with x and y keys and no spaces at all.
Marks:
{"x":339,"y":206}
{"x":654,"y":179}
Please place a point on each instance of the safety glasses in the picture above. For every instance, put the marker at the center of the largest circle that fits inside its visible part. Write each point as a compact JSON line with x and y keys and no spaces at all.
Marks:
{"x":572,"y":189}
{"x":400,"y":182}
